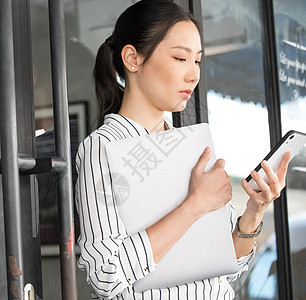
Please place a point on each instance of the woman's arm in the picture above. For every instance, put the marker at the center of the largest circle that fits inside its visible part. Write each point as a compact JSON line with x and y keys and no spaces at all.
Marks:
{"x":113,"y":260}
{"x":207,"y":191}
{"x":258,"y":203}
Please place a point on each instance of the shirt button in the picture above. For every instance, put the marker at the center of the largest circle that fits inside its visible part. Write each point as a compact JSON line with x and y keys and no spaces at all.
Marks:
{"x":146,"y":269}
{"x":219,"y":280}
{"x":128,"y":280}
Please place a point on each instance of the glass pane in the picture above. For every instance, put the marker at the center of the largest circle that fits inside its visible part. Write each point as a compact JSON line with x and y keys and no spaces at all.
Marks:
{"x":238,"y":118}
{"x":290,"y":24}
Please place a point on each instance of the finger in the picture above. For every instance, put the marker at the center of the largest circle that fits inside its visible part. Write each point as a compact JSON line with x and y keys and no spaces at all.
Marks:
{"x":283,"y":166}
{"x":220,"y":163}
{"x":273,"y":179}
{"x":203,"y":160}
{"x":252,"y":193}
{"x":261,"y":183}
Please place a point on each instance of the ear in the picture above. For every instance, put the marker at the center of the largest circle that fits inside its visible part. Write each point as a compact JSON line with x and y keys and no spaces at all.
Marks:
{"x":131,"y":59}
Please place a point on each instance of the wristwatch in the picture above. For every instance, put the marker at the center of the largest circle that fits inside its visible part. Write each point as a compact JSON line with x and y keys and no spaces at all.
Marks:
{"x":247,"y":235}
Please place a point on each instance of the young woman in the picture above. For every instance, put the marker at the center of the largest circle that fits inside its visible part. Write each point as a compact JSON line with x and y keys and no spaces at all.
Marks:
{"x":155,"y":49}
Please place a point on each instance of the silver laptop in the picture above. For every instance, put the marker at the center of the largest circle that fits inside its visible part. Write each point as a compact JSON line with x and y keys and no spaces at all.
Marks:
{"x":150,"y":177}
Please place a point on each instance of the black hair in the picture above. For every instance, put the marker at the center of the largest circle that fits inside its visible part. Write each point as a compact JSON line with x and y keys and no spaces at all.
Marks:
{"x":143,"y":25}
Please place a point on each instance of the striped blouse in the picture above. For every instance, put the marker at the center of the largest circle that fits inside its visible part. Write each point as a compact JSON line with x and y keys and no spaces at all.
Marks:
{"x":112,"y":259}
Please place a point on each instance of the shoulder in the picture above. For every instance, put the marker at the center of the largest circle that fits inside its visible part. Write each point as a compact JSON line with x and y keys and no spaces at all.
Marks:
{"x":106,"y":133}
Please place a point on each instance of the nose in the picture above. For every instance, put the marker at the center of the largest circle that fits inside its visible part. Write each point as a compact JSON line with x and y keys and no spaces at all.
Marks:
{"x":193,"y":74}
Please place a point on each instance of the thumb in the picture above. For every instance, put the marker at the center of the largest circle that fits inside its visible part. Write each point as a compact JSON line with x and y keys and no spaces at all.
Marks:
{"x":203,"y":160}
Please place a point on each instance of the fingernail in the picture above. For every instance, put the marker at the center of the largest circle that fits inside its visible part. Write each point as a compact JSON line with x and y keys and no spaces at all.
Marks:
{"x":254,"y":172}
{"x":207,"y":149}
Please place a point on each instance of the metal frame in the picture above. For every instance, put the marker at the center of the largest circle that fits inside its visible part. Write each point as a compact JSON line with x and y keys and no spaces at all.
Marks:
{"x":62,"y":147}
{"x":9,"y":161}
{"x":21,"y":89}
{"x":26,"y":144}
{"x":201,"y":90}
{"x":196,"y":110}
{"x":284,"y":276}
{"x":12,"y":162}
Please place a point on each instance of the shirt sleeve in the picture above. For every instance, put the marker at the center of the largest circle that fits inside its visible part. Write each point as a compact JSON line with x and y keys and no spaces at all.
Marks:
{"x":113,"y":260}
{"x":244,"y":261}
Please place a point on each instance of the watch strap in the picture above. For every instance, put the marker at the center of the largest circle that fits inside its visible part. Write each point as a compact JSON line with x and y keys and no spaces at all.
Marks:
{"x":247,"y":235}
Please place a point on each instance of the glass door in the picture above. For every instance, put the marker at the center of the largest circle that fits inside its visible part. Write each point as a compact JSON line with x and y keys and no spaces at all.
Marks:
{"x":88,"y":24}
{"x":238,"y":118}
{"x":290,"y":26}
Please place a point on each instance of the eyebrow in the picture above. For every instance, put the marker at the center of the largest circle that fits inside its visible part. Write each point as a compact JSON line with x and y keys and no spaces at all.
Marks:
{"x":186,"y":49}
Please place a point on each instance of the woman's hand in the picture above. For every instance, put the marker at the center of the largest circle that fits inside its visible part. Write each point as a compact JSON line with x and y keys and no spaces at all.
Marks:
{"x":259,"y":201}
{"x":209,"y":190}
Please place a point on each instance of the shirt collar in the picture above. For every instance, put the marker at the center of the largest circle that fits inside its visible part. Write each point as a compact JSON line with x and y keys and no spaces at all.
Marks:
{"x":129,"y":124}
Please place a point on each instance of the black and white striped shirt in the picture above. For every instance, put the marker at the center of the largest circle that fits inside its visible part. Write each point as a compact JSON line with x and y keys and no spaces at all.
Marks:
{"x":114,"y":260}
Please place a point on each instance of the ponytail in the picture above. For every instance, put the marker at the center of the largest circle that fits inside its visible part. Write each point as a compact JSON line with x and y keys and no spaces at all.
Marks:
{"x":108,"y":90}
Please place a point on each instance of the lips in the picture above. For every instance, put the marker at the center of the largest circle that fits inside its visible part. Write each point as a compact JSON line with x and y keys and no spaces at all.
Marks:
{"x":186,"y":94}
{"x":188,"y":91}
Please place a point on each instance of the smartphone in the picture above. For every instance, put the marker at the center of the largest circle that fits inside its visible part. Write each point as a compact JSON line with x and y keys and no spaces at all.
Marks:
{"x":292,"y":141}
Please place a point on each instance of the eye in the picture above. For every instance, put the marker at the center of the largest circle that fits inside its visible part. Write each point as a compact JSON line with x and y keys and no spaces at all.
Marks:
{"x":198,"y":62}
{"x":180,"y":59}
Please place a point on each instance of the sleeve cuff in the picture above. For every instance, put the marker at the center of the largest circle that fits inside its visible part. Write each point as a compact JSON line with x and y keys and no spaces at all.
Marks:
{"x":243,"y":264}
{"x":136,"y":257}
{"x":247,"y":258}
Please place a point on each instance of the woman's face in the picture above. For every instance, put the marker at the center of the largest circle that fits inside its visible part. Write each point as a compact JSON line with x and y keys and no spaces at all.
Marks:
{"x":172,"y":72}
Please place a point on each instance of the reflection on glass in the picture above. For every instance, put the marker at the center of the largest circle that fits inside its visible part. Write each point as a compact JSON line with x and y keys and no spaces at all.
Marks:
{"x":238,"y":115}
{"x":290,"y":27}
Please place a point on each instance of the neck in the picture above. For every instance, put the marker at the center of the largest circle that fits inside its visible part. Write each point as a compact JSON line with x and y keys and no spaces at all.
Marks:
{"x":134,"y":107}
